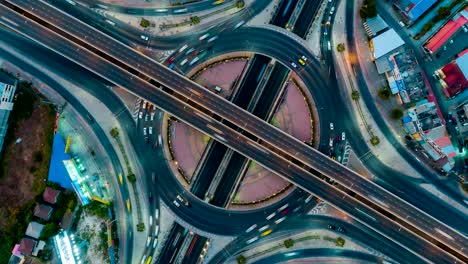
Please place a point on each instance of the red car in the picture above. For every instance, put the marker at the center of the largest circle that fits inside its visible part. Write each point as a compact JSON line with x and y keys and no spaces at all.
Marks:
{"x":170,"y":60}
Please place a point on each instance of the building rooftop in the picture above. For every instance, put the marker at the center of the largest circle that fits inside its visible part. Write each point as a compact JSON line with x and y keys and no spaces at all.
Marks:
{"x":386,"y":42}
{"x":455,"y":76}
{"x":411,"y":10}
{"x":375,"y":25}
{"x":50,"y":195}
{"x":34,"y":230}
{"x":43,"y":211}
{"x":27,"y":246}
{"x":447,"y":31}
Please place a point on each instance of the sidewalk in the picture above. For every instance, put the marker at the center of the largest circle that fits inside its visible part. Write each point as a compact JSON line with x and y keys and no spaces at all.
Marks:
{"x":384,"y":150}
{"x":314,"y":35}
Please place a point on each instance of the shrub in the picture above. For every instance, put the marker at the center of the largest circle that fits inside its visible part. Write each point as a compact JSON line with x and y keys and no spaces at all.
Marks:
{"x":355,"y":95}
{"x":195,"y":20}
{"x":144,"y":23}
{"x":375,"y":140}
{"x":241,"y":259}
{"x":240,"y":4}
{"x":384,"y":93}
{"x":288,"y":243}
{"x":340,"y":47}
{"x":396,"y":114}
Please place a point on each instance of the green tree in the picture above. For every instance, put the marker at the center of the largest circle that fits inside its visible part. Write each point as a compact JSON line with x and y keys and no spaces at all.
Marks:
{"x":241,"y":259}
{"x":443,"y":12}
{"x":288,"y":243}
{"x":396,"y":113}
{"x":384,"y":93}
{"x":240,"y":4}
{"x":140,"y":227}
{"x":195,"y":20}
{"x":375,"y":140}
{"x":114,"y":132}
{"x":340,"y":47}
{"x":50,"y":229}
{"x":355,"y":95}
{"x":144,"y":23}
{"x":131,"y":177}
{"x":340,"y":242}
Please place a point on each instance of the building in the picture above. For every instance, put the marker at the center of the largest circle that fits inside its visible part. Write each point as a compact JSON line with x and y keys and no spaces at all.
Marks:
{"x":50,"y":195}
{"x":43,"y":211}
{"x":454,"y":25}
{"x":425,"y":126}
{"x":26,"y":246}
{"x":7,"y":94}
{"x":34,"y":230}
{"x":385,"y":43}
{"x":454,"y":76}
{"x":411,"y":10}
{"x":374,"y":26}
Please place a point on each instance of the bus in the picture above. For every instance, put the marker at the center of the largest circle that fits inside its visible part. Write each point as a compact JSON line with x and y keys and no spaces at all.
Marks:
{"x":218,"y":2}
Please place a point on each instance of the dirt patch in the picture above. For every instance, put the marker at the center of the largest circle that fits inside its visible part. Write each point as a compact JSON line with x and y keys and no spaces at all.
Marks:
{"x":25,"y":164}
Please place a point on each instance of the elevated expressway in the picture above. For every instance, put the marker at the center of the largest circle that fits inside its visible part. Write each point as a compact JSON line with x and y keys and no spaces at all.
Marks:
{"x":293,"y":160}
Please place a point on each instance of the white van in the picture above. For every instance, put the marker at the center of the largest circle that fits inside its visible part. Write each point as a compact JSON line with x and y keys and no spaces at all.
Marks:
{"x":217,"y":89}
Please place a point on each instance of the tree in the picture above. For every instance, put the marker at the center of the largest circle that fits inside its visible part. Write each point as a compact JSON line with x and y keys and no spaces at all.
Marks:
{"x":240,"y":4}
{"x":396,"y":113}
{"x":144,"y":23}
{"x":384,"y":93}
{"x":355,"y":95}
{"x":340,"y":47}
{"x":195,"y":20}
{"x":375,"y":140}
{"x":140,"y":227}
{"x":340,"y":242}
{"x":288,"y":243}
{"x":114,"y":132}
{"x":443,"y":12}
{"x":241,"y":259}
{"x":49,"y":230}
{"x":131,"y":177}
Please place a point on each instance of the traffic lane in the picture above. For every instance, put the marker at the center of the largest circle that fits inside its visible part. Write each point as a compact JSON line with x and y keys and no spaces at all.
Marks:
{"x":122,"y":194}
{"x":295,"y":225}
{"x":325,"y":255}
{"x":130,"y":35}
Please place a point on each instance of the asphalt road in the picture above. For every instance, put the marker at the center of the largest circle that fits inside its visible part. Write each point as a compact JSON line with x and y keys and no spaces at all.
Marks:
{"x":354,"y":231}
{"x":338,"y":170}
{"x":310,"y":255}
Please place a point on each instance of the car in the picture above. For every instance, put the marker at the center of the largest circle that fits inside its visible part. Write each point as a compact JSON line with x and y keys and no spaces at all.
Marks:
{"x":144,"y":105}
{"x":150,"y":197}
{"x":304,"y":58}
{"x":155,"y":243}
{"x":332,"y":10}
{"x":270,"y":216}
{"x":263,"y":228}
{"x":182,"y":200}
{"x":238,"y":25}
{"x":152,"y":116}
{"x":285,"y":211}
{"x":144,"y":131}
{"x":251,"y":228}
{"x":146,"y":117}
{"x":293,"y":64}
{"x":170,"y":60}
{"x":148,"y":241}
{"x":331,"y":227}
{"x":176,"y":203}
{"x":144,"y":37}
{"x":331,"y":142}
{"x":332,"y":126}
{"x":140,"y":115}
{"x":341,"y":229}
{"x":343,"y":136}
{"x":189,"y":51}
{"x":150,"y":130}
{"x":204,"y":36}
{"x":213,"y":39}
{"x":182,"y":63}
{"x":183,"y":48}
{"x":301,"y":61}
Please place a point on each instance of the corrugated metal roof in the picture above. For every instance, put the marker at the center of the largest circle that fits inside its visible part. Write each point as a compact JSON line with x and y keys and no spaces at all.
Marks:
{"x":386,"y":42}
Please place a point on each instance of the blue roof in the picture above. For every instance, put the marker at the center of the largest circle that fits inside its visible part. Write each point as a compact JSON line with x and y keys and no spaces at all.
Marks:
{"x":406,"y":119}
{"x":420,"y":6}
{"x":57,"y":171}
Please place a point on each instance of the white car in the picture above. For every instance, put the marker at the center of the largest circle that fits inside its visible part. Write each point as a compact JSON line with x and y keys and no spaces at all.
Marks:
{"x":155,"y":243}
{"x":204,"y":36}
{"x":238,"y":25}
{"x":332,"y":126}
{"x":176,"y":203}
{"x":146,"y":117}
{"x":182,"y":63}
{"x":263,"y":228}
{"x":144,"y":131}
{"x":150,"y":130}
{"x":140,"y":115}
{"x":251,"y":228}
{"x":183,"y":48}
{"x":304,"y":58}
{"x":294,"y":64}
{"x":343,"y":136}
{"x":148,"y":241}
{"x":152,"y":116}
{"x":331,"y":142}
{"x":144,"y":105}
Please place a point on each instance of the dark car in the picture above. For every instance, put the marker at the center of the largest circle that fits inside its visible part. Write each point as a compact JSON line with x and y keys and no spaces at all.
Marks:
{"x":331,"y":227}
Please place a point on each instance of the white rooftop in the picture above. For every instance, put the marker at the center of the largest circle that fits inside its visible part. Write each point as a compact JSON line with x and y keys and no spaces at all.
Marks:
{"x":386,"y":42}
{"x":462,"y":63}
